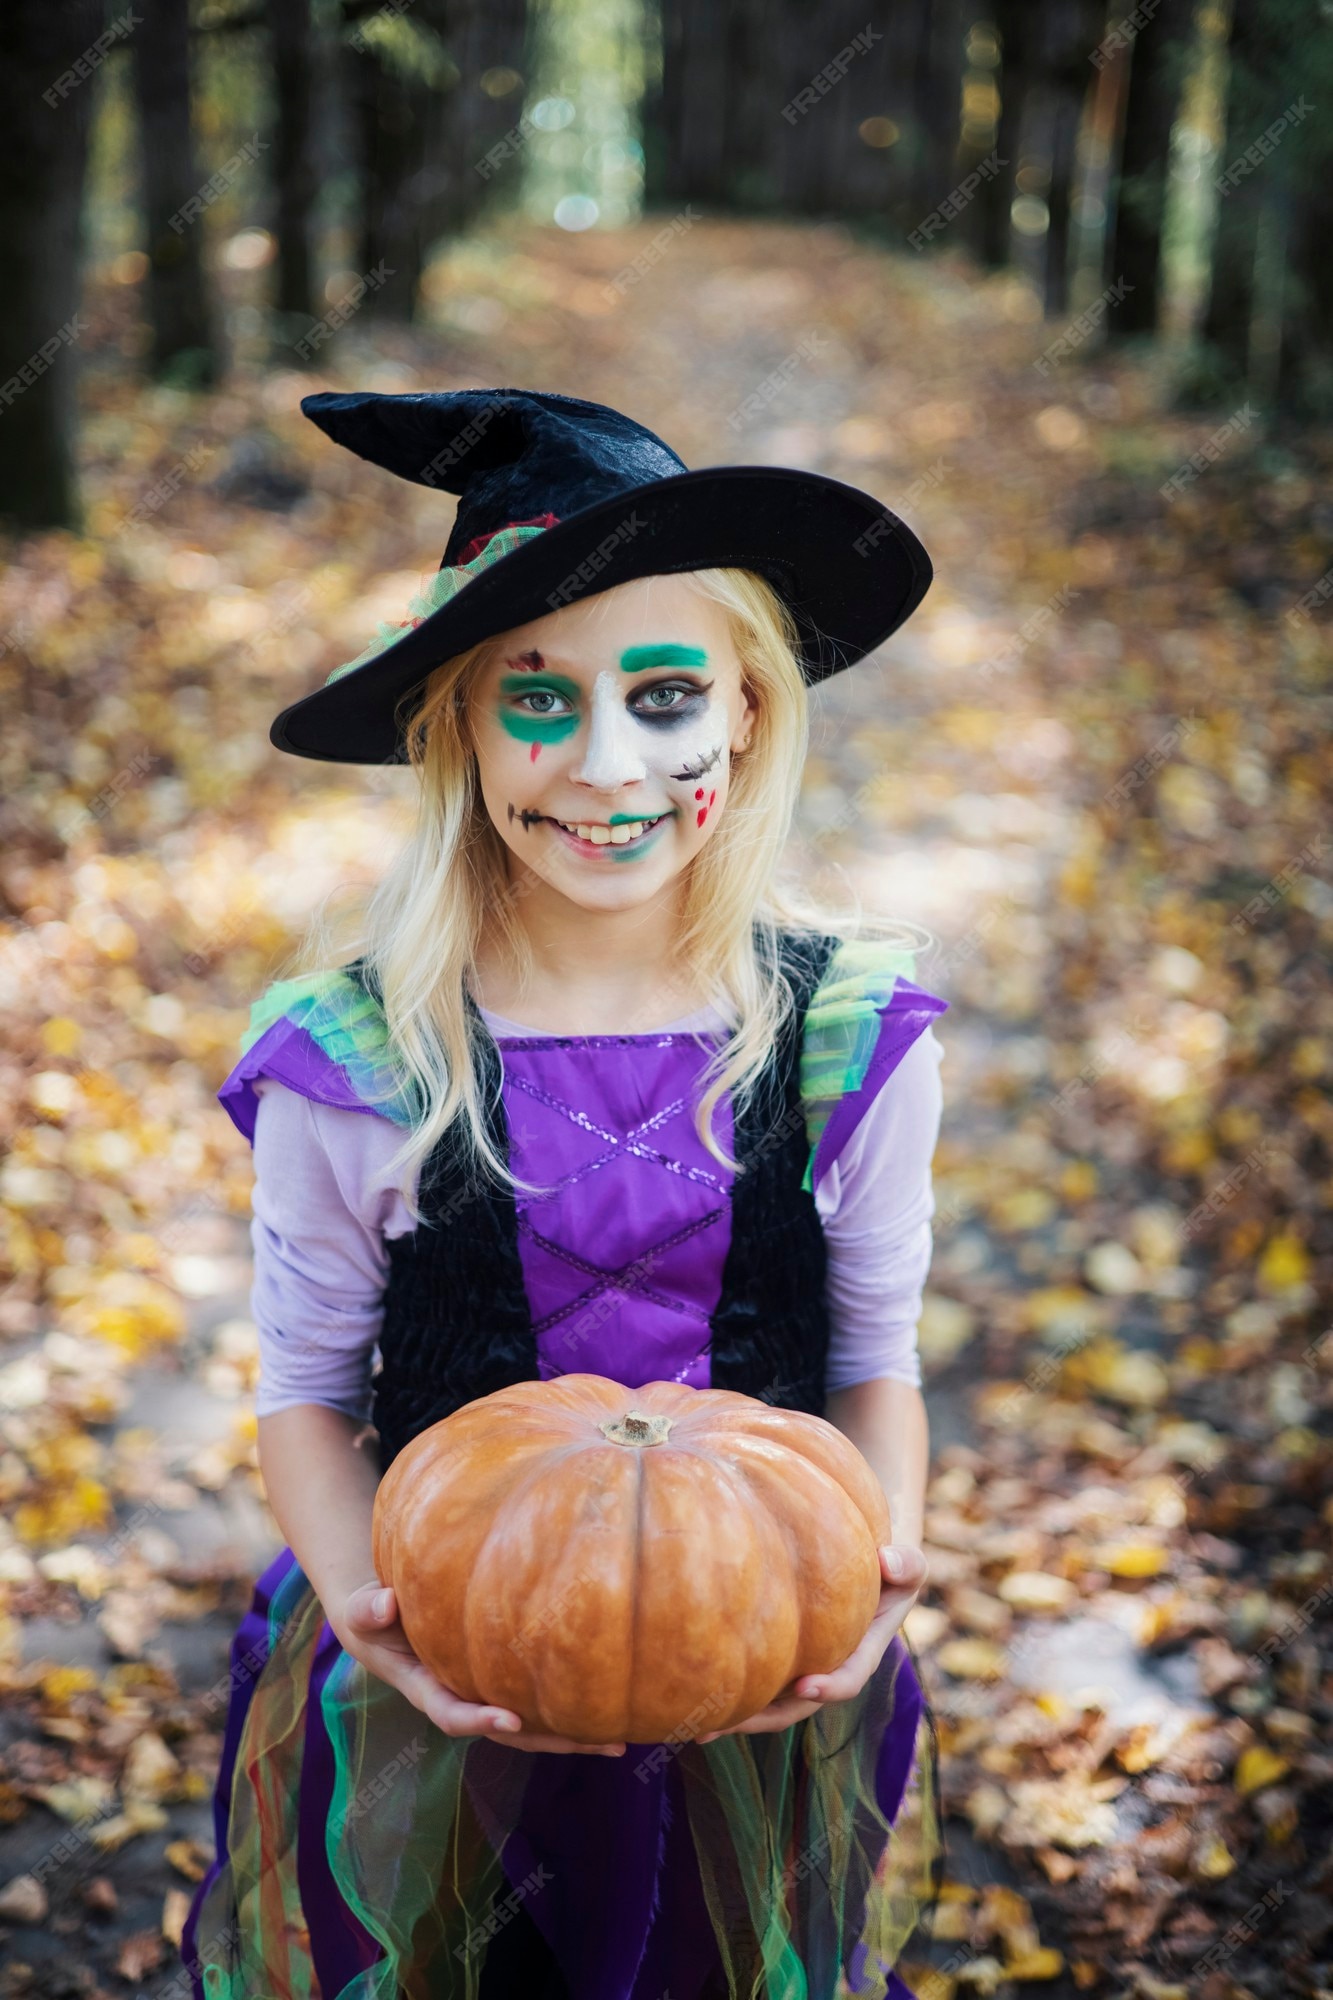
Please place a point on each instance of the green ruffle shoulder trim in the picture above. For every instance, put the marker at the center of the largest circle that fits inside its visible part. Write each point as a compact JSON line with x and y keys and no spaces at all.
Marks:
{"x":845,"y":1025}
{"x":348,"y":1026}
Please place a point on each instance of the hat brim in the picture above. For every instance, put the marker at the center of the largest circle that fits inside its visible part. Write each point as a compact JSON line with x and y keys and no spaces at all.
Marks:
{"x":848,"y":569}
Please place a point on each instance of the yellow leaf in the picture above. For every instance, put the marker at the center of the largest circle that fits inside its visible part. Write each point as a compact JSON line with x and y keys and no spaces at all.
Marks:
{"x":972,"y":1659}
{"x":1078,"y":1180}
{"x":1060,"y":1306}
{"x":62,"y":1515}
{"x":175,"y":1909}
{"x":1025,"y":1208}
{"x":130,"y":1310}
{"x":1284,"y":1262}
{"x":1130,"y":1559}
{"x":61,"y":1036}
{"x":957,"y":1892}
{"x":1005,"y":1908}
{"x":1033,"y":1590}
{"x":150,"y":1770}
{"x":1214,"y":1859}
{"x":1043,"y":1963}
{"x":1258,"y":1766}
{"x":952,"y":1924}
{"x":188,"y":1858}
{"x":1126,"y":1375}
{"x":78,"y":1798}
{"x":61,"y":1682}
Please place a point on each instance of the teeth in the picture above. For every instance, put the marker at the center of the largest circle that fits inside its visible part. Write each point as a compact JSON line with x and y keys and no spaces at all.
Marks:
{"x":609,"y":836}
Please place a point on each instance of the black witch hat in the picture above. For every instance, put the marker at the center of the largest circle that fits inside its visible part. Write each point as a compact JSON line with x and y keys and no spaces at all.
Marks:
{"x":560,"y":498}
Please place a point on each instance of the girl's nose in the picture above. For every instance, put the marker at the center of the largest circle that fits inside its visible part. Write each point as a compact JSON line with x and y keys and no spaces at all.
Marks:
{"x":611,"y":756}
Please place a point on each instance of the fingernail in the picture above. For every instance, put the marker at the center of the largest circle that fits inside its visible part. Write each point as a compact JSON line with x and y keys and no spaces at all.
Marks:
{"x":893,"y":1561}
{"x":381,"y":1602}
{"x":812,"y":1694}
{"x":509,"y":1722}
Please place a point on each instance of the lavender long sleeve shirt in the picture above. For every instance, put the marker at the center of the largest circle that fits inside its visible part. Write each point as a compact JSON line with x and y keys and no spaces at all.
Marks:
{"x":325,"y":1207}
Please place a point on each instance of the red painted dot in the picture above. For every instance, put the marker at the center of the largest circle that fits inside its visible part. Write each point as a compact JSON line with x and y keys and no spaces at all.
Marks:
{"x":534,"y":753}
{"x":702,"y":816}
{"x":699,"y":794}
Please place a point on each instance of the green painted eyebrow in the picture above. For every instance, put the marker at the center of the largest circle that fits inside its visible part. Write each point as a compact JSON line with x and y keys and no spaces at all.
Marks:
{"x":637,"y":659}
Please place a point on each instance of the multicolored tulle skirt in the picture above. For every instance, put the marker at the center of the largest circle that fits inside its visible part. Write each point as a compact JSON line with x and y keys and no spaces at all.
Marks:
{"x":364,"y":1855}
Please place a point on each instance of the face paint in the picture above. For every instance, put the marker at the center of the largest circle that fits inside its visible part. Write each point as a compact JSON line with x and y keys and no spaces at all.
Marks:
{"x":525,"y":818}
{"x":699,"y":767}
{"x":703,"y":812}
{"x":537,"y":726}
{"x":638,"y":659}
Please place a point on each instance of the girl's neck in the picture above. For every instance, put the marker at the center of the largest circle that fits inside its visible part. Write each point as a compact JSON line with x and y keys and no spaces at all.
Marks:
{"x":591,"y":971}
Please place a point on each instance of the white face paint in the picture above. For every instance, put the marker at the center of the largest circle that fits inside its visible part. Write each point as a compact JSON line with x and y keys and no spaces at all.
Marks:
{"x":604,"y":734}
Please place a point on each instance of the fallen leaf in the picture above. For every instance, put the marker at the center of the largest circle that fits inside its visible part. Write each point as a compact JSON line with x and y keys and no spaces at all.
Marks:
{"x":1034,"y":1591}
{"x":139,"y":1955}
{"x":972,"y":1659}
{"x":1258,"y":1766}
{"x":23,"y":1901}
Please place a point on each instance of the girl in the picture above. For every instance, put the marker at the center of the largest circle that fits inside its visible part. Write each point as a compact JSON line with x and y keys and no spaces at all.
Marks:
{"x":581,"y":1096}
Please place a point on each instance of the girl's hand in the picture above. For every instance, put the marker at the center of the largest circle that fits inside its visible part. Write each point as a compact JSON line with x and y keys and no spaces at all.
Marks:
{"x":369,"y":1628}
{"x":903,"y":1571}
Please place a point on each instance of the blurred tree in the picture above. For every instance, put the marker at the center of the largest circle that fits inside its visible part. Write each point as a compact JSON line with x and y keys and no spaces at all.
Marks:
{"x":293,"y":168}
{"x":1013,"y":22}
{"x":434,"y":101}
{"x":1270,"y":304}
{"x":805,"y":109}
{"x":1157,"y":61}
{"x":47,"y":108}
{"x":175,"y":198}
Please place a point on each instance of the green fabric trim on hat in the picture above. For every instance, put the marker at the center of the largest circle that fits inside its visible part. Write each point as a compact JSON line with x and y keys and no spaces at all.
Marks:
{"x":446,"y":583}
{"x":842,"y":1027}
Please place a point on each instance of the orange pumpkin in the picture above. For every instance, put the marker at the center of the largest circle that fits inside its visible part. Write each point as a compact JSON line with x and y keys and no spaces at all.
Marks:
{"x":628,"y":1565}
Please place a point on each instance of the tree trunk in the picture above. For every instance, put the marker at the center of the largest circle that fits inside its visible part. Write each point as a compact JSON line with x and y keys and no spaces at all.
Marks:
{"x":175,"y":199}
{"x":1157,"y":61}
{"x":1065,"y":107}
{"x":1305,"y":374}
{"x":936,"y":89}
{"x":293,"y":171}
{"x":1012,"y":20}
{"x":1227,"y":320}
{"x":425,"y":139}
{"x":47,"y":116}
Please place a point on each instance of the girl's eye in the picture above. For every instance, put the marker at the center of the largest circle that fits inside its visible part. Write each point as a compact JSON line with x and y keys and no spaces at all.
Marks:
{"x":665,"y":698}
{"x":543,"y":701}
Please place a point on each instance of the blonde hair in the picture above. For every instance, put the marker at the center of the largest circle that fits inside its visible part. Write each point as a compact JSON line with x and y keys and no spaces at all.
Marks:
{"x":420,"y":928}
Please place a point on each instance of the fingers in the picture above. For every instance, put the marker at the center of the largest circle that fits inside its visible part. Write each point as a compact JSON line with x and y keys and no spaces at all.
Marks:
{"x":563,"y":1746}
{"x":903,"y":1567}
{"x":371,"y":1611}
{"x":371,"y":1608}
{"x":778,"y":1715}
{"x":455,"y":1717}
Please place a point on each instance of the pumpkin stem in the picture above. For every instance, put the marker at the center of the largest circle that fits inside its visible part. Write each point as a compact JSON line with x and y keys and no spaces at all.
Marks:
{"x":634,"y":1428}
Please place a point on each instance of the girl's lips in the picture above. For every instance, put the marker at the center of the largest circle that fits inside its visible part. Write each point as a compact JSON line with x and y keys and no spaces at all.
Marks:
{"x":590,"y":837}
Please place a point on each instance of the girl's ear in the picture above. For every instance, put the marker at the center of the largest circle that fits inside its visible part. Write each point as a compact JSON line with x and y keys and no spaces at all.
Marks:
{"x":741,"y":734}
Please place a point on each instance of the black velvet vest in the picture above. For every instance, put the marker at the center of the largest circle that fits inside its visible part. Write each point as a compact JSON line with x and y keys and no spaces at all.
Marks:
{"x":456,"y":1321}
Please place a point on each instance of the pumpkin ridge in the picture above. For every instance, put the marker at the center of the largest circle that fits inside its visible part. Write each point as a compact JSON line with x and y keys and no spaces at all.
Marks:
{"x":759,"y":1500}
{"x":556,"y":1455}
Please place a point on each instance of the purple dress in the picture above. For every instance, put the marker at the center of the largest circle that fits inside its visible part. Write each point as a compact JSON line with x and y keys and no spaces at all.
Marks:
{"x":622,"y":1243}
